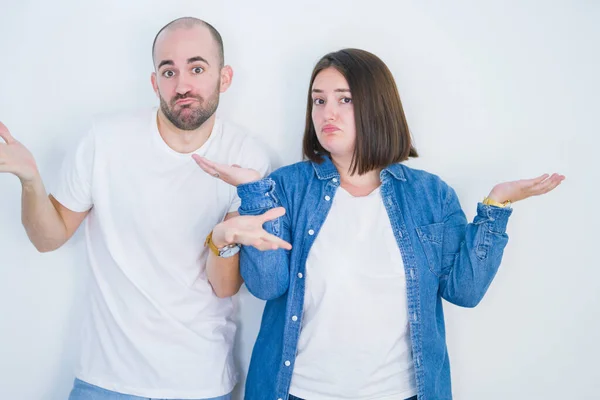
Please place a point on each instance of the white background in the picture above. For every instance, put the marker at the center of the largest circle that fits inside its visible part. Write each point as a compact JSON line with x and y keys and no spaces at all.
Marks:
{"x":492,"y":91}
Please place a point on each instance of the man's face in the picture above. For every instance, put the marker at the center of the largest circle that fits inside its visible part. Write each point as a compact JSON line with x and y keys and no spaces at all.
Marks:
{"x":188,"y":76}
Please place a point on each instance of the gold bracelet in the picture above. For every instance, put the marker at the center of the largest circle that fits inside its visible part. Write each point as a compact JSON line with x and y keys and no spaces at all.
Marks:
{"x":490,"y":202}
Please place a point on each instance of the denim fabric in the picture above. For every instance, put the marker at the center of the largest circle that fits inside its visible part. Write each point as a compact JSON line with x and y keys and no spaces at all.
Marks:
{"x":298,"y":398}
{"x":444,"y":258}
{"x":86,"y":391}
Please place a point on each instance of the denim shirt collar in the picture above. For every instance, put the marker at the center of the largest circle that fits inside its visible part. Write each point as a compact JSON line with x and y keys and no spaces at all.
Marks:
{"x":327,"y":170}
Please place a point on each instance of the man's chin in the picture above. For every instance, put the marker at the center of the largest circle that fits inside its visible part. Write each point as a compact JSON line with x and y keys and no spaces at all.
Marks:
{"x":189,"y":123}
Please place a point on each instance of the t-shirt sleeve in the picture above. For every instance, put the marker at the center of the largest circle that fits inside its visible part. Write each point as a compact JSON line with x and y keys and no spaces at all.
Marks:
{"x":254,"y":156}
{"x":74,"y":185}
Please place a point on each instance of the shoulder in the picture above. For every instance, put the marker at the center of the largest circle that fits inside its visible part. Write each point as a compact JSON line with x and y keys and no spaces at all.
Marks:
{"x":119,"y":126}
{"x":296,"y":173}
{"x":241,"y":147}
{"x":421,"y":177}
{"x":425,"y":186}
{"x":232,"y":134}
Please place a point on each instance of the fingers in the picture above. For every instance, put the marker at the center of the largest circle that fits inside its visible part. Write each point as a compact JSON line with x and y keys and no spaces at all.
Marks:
{"x":548,"y":184}
{"x":249,"y":232}
{"x":264,"y":242}
{"x":552,"y":182}
{"x":272,"y":214}
{"x":205,"y":165}
{"x":538,"y":180}
{"x":217,"y":170}
{"x":270,"y":242}
{"x":5,"y":134}
{"x":275,"y":242}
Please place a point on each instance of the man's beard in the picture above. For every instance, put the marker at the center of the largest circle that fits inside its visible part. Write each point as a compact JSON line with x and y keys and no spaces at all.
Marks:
{"x":190,"y":116}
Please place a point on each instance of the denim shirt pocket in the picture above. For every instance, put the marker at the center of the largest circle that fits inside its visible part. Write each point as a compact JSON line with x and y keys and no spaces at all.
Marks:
{"x":431,"y":237}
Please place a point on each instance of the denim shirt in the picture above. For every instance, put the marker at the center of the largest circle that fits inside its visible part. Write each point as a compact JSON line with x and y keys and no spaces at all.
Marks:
{"x":444,"y":257}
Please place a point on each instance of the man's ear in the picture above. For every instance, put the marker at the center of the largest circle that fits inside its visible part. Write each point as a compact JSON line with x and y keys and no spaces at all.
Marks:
{"x":226,"y":78}
{"x":154,"y":83}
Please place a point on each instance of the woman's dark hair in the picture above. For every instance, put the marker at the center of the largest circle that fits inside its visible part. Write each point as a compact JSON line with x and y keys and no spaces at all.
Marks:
{"x":382,"y":135}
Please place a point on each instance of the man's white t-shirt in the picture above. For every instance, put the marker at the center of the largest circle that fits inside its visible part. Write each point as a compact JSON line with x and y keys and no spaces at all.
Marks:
{"x":355,"y":338}
{"x":154,"y":328}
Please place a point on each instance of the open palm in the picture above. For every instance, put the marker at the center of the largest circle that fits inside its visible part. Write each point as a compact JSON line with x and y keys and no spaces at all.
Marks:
{"x":232,"y":174}
{"x":15,"y":158}
{"x":525,"y":188}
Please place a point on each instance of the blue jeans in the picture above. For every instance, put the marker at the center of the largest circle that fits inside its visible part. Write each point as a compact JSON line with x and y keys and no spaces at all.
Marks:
{"x":298,"y":398}
{"x":86,"y":391}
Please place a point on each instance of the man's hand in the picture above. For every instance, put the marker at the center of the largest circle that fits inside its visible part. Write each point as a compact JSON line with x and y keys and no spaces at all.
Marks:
{"x":248,"y":230}
{"x":234,"y":174}
{"x":15,"y":158}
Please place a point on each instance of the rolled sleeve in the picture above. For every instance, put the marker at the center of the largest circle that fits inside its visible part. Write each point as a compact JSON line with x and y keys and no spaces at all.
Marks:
{"x":496,"y":218}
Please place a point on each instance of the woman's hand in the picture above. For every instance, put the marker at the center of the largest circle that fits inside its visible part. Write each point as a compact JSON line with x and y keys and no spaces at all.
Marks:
{"x":520,"y":190}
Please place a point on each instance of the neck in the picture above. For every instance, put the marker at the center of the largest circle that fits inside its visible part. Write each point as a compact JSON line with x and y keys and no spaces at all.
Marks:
{"x":357,"y":185}
{"x":184,"y":141}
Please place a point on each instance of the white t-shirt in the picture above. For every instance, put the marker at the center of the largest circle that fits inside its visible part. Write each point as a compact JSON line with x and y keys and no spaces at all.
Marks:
{"x":155,"y":328}
{"x":355,"y":341}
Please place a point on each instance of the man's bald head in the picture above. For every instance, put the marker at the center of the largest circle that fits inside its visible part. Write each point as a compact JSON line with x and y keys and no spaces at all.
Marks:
{"x":188,"y":23}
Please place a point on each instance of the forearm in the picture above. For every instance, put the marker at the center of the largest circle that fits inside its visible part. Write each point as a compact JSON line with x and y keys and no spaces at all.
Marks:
{"x":43,"y":224}
{"x":224,"y":274}
{"x":478,"y":259}
{"x":266,"y":273}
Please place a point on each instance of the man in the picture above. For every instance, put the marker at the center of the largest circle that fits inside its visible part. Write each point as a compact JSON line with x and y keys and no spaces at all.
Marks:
{"x":160,"y":319}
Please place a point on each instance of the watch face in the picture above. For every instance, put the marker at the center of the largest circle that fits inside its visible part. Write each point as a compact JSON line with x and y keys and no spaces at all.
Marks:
{"x":229,"y":251}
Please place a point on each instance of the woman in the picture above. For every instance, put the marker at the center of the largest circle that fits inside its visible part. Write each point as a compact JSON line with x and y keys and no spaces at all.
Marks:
{"x":354,"y":305}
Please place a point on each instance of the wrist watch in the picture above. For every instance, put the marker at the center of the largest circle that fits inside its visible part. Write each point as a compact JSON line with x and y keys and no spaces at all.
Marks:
{"x":227,"y":251}
{"x":489,"y":202}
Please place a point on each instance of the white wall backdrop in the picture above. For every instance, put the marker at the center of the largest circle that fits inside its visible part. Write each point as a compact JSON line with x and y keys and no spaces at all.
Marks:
{"x":492,"y":90}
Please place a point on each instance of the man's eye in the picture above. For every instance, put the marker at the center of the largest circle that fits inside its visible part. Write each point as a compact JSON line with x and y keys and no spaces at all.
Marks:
{"x":168,"y":74}
{"x":198,"y":70}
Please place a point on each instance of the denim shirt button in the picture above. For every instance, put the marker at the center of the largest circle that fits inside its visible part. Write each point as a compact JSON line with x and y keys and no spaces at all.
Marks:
{"x":414,"y":316}
{"x":311,"y":232}
{"x":412,"y":273}
{"x":327,"y":198}
{"x":334,"y":180}
{"x":300,"y":275}
{"x":294,"y":318}
{"x":287,"y":363}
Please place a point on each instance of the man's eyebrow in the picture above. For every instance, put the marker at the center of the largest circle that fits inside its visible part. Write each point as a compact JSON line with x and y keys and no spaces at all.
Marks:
{"x":196,"y":59}
{"x":189,"y":61}
{"x":165,"y":62}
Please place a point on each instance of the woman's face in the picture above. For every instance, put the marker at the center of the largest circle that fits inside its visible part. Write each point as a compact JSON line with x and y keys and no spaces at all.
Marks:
{"x":333,"y":113}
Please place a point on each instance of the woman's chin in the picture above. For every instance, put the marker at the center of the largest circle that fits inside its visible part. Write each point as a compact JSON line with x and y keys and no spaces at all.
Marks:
{"x":335,"y":146}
